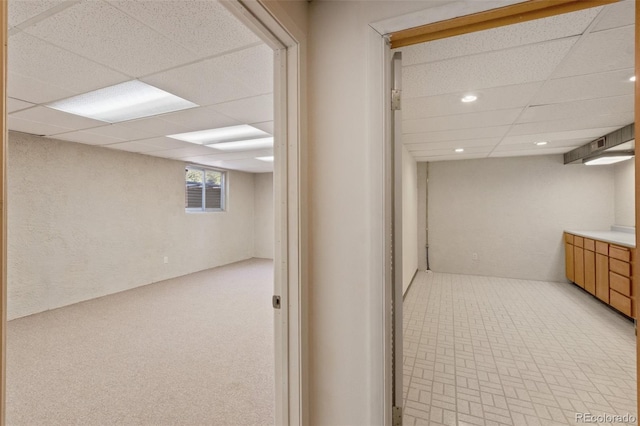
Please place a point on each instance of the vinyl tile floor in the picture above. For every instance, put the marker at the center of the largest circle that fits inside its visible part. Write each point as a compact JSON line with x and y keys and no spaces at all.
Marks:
{"x":494,"y":351}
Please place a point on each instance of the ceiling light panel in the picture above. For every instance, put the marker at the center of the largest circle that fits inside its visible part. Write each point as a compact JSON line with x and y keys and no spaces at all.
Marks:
{"x":243,"y":145}
{"x":224,"y":134}
{"x":122,"y":102}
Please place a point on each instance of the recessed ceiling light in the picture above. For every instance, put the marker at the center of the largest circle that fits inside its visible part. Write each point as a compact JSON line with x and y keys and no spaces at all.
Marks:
{"x":611,"y":159}
{"x":459,"y":149}
{"x":469,"y":98}
{"x":632,"y":78}
{"x":223,"y":134}
{"x":125,"y":101}
{"x":243,"y":145}
{"x":269,"y":159}
{"x":541,"y":143}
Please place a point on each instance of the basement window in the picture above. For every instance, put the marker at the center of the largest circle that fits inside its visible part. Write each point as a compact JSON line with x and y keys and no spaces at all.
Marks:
{"x":204,"y":189}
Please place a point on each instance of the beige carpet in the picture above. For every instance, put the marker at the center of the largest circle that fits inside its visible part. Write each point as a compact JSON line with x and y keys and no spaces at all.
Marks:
{"x":195,"y":350}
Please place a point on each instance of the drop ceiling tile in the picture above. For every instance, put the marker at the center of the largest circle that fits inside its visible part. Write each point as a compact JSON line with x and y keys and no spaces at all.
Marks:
{"x":585,"y":135}
{"x":200,"y":118}
{"x":526,"y":153}
{"x":252,"y":66}
{"x":593,"y":122}
{"x":506,"y":37}
{"x":189,"y":82}
{"x":102,"y":33}
{"x":14,"y":105}
{"x":155,"y":126}
{"x":456,"y":135}
{"x":461,"y":121}
{"x":87,"y":138}
{"x":267,"y":126}
{"x":467,"y":151}
{"x":65,"y":121}
{"x":505,"y":97}
{"x":250,"y":110}
{"x":162,"y":143}
{"x":130,"y":147}
{"x":555,"y":144}
{"x":576,"y":109}
{"x":451,"y":145}
{"x":591,"y":86}
{"x":191,"y":151}
{"x":23,"y":10}
{"x":616,"y":15}
{"x":454,"y":157}
{"x":119,"y":131}
{"x":32,"y":127}
{"x":33,"y":90}
{"x":513,"y":66}
{"x":608,"y":50}
{"x":36,"y":59}
{"x":204,"y":27}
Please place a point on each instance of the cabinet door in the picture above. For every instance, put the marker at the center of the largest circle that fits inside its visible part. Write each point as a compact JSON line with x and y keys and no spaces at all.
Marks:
{"x":578,"y":262}
{"x":568,"y":261}
{"x":602,"y":277}
{"x":590,"y":271}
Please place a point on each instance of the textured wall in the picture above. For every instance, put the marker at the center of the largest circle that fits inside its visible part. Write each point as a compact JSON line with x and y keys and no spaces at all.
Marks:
{"x":625,"y":193}
{"x":86,"y":221}
{"x":511,"y":212}
{"x":423,"y":174}
{"x":409,"y":218}
{"x":264,"y":224}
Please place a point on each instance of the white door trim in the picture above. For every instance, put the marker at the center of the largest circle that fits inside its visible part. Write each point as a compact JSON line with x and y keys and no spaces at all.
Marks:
{"x":289,"y":320}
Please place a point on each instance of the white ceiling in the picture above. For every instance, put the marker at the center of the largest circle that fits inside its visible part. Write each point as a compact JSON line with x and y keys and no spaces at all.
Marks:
{"x":563,"y":79}
{"x":196,"y":50}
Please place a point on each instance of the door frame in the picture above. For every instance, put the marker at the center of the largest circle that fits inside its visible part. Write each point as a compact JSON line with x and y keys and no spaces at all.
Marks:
{"x":493,"y":18}
{"x":289,"y":209}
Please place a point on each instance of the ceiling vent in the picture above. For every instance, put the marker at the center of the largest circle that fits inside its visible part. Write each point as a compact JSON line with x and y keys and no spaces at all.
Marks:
{"x":598,"y":146}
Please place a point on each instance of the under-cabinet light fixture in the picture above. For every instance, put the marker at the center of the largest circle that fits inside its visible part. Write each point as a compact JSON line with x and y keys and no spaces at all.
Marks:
{"x":223,"y":134}
{"x":459,"y":149}
{"x":541,"y":143}
{"x":633,"y":78}
{"x":608,"y":158}
{"x":469,"y":98}
{"x":122,"y":102}
{"x":268,"y":159}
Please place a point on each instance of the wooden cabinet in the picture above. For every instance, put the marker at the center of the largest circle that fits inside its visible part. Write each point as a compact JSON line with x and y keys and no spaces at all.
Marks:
{"x":602,"y":269}
{"x":590,"y":271}
{"x":568,"y":257}
{"x":602,"y":277}
{"x":578,"y":265}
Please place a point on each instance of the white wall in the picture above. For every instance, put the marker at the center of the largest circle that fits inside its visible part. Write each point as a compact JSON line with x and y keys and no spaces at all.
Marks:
{"x":264,"y":224}
{"x":409,"y":218}
{"x":422,"y":214}
{"x":511,"y":212}
{"x":85,"y":221}
{"x":345,"y":231}
{"x":625,"y":193}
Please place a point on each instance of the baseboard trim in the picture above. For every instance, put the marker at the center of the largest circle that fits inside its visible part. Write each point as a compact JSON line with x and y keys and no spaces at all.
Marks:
{"x":404,"y":295}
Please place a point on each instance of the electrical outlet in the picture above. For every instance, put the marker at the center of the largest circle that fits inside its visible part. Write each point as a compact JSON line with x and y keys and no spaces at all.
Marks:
{"x":166,"y":259}
{"x":474,"y":256}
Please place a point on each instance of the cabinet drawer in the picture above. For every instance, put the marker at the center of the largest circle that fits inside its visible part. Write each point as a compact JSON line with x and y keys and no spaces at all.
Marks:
{"x":602,"y":248}
{"x":620,"y":302}
{"x":568,"y":238}
{"x":578,"y":241}
{"x":620,"y":284}
{"x":621,"y":253}
{"x":620,"y":267}
{"x":589,"y":244}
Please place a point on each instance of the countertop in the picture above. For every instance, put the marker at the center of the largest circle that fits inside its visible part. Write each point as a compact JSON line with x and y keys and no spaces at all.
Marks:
{"x":624,"y":239}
